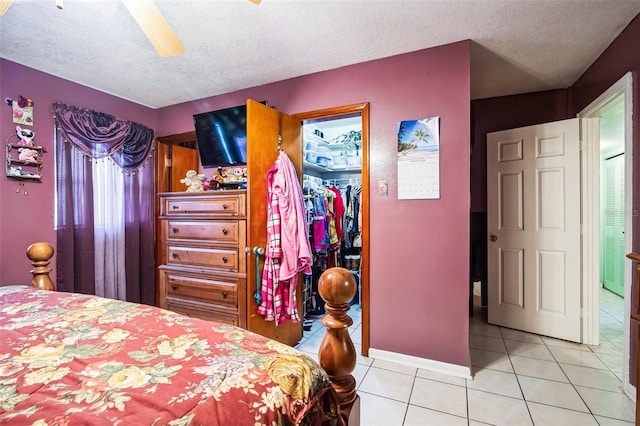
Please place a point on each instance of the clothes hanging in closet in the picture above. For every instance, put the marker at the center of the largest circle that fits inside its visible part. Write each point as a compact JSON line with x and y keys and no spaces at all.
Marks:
{"x":288,"y":251}
{"x":352,"y":215}
{"x":339,"y":208}
{"x":334,"y":217}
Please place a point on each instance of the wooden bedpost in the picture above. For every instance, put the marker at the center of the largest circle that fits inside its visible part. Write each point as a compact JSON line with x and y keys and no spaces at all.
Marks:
{"x":40,"y":254}
{"x":337,"y":355}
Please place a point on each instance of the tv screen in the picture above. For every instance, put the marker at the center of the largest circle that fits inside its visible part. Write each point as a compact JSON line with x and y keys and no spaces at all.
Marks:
{"x":222,"y":136}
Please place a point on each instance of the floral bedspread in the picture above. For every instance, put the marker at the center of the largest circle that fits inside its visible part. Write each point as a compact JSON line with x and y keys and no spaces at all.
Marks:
{"x":71,"y":359}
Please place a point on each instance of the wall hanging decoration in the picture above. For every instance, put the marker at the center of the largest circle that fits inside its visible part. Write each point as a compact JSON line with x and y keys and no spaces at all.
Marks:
{"x":22,"y":110}
{"x":24,"y":157}
{"x":419,"y":159}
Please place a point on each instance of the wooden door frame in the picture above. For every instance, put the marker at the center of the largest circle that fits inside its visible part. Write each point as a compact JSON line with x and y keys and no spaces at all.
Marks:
{"x":363,"y":110}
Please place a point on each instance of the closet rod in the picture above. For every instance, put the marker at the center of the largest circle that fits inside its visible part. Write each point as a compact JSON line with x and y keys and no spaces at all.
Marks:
{"x":351,"y":181}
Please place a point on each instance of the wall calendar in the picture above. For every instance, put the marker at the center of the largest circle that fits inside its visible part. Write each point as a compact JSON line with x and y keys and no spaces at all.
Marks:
{"x":419,"y":159}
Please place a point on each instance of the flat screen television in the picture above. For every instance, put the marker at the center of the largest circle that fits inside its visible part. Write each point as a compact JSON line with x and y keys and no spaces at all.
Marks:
{"x":222,"y":136}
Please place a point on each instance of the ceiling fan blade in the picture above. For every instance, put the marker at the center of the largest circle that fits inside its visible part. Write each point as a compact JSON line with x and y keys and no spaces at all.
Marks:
{"x":156,"y":28}
{"x":4,"y":5}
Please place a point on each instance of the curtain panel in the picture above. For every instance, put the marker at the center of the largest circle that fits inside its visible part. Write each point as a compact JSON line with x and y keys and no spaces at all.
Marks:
{"x":100,"y":135}
{"x":109,"y":258}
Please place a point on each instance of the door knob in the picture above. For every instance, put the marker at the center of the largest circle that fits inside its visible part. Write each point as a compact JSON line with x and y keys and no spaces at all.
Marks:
{"x":493,"y":238}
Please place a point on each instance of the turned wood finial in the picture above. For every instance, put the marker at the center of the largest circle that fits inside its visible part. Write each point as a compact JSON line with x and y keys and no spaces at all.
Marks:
{"x":40,"y":253}
{"x":337,"y":355}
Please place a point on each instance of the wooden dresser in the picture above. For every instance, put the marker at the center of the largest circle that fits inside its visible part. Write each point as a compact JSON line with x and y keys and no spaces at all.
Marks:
{"x":203,"y":260}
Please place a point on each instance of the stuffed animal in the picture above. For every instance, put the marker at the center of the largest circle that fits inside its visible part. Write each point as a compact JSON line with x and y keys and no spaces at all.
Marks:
{"x":239,"y":173}
{"x":229,"y":175}
{"x":28,"y":155}
{"x":26,"y":136}
{"x":193,"y":181}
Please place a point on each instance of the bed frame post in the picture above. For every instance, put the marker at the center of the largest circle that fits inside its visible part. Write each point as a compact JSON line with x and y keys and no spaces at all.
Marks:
{"x":40,"y":254}
{"x":337,"y":355}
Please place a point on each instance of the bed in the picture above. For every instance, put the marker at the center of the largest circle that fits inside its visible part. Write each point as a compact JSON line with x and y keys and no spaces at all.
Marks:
{"x":68,"y":359}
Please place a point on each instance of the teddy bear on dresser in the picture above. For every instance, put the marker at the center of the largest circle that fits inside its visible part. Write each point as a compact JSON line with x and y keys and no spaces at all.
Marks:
{"x":193,"y":181}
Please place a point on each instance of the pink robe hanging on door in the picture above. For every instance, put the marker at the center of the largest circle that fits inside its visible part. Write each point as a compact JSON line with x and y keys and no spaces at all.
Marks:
{"x":288,"y":251}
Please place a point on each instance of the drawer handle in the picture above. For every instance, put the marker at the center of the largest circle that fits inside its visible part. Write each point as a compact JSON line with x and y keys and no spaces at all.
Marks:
{"x":224,"y":259}
{"x":225,"y":231}
{"x":174,"y":287}
{"x":224,"y":207}
{"x":174,"y":230}
{"x":175,"y":255}
{"x":175,"y":207}
{"x":224,"y":294}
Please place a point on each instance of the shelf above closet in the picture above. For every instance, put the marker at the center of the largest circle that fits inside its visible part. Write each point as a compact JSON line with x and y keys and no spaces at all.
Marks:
{"x":319,"y":169}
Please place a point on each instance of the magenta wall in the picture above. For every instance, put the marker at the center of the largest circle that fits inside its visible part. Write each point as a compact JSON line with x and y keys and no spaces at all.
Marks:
{"x":28,"y":218}
{"x":419,"y":248}
{"x":419,"y":266}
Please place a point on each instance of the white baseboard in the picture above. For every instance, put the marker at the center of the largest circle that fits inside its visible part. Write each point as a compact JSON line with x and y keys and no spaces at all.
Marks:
{"x":425,"y":364}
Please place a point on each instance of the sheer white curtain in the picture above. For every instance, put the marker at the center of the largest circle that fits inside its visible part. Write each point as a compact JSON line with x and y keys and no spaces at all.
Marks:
{"x":109,"y":229}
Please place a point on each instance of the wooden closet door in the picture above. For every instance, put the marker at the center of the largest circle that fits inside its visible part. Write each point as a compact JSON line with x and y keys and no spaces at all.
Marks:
{"x":182,"y":160}
{"x":264,"y":125}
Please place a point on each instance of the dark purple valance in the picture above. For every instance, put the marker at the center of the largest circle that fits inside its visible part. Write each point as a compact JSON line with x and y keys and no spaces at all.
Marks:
{"x":100,"y":135}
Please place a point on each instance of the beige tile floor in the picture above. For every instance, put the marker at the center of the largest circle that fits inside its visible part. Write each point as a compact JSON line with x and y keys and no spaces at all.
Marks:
{"x":519,"y":379}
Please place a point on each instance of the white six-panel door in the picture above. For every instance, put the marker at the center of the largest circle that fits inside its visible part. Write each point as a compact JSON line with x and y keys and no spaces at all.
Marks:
{"x":533,"y":229}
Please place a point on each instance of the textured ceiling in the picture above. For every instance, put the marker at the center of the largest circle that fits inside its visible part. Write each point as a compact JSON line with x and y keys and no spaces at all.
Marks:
{"x":518,"y":45}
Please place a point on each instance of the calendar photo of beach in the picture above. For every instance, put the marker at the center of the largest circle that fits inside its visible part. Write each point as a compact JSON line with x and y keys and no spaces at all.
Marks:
{"x":419,"y":159}
{"x":419,"y":139}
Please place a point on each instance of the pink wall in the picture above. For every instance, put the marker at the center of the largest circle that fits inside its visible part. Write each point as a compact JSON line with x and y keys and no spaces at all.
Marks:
{"x":419,"y":261}
{"x":28,"y":218}
{"x":419,"y":248}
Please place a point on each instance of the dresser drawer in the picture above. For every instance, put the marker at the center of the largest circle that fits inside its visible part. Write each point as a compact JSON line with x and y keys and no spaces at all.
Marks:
{"x":202,"y":291}
{"x":204,"y":314}
{"x":232,"y":205}
{"x":226,"y":232}
{"x":226,"y":259}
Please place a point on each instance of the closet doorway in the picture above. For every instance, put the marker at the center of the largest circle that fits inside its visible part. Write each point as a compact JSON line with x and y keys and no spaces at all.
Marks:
{"x":335,"y":154}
